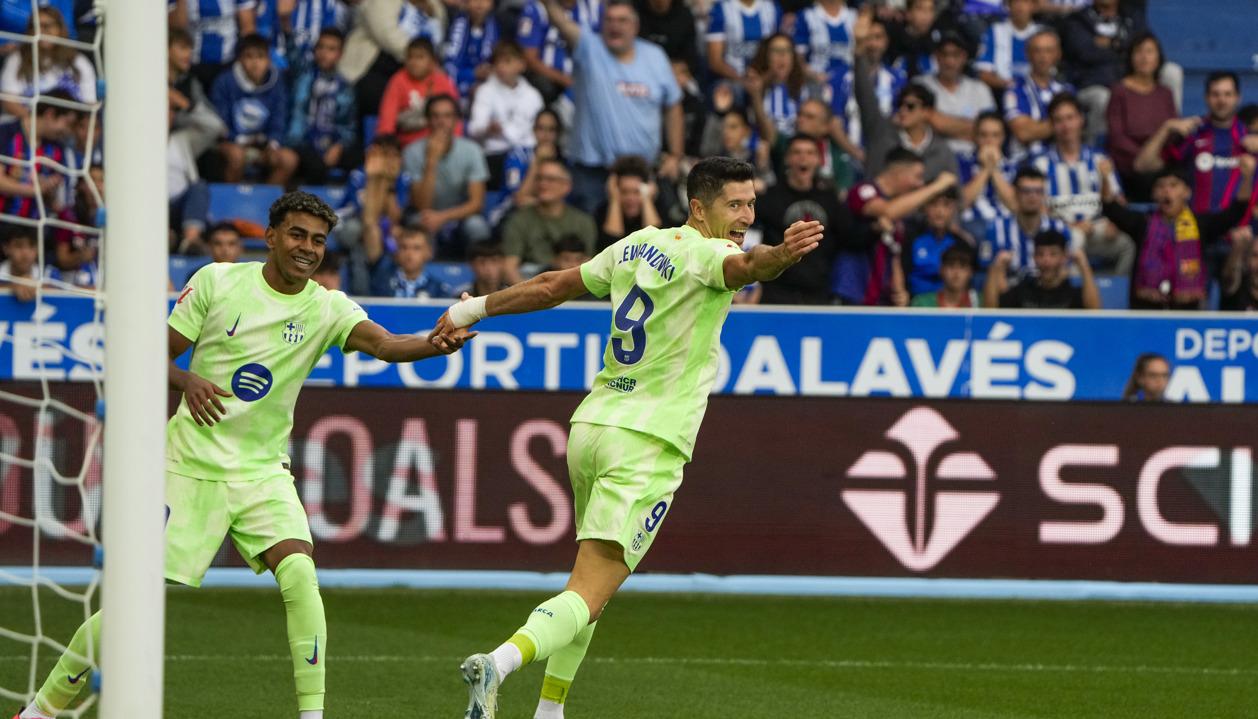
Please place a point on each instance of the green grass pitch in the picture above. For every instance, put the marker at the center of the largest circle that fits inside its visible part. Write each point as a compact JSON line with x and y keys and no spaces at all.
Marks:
{"x":394,"y":653}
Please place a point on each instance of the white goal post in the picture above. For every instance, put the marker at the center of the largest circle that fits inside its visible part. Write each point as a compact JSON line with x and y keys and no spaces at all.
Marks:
{"x":135,"y":284}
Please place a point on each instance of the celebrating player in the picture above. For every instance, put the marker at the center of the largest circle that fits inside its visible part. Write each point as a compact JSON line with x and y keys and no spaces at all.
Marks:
{"x":636,"y":429}
{"x":259,"y":329}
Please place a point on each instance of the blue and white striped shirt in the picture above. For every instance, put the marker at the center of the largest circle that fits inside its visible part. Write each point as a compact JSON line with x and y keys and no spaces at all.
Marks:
{"x":535,"y":32}
{"x":1004,"y":234}
{"x":742,"y":28}
{"x":1003,"y":49}
{"x":825,"y":40}
{"x":1074,"y":188}
{"x":214,"y":29}
{"x":987,"y":206}
{"x":1028,"y":99}
{"x":842,"y":97}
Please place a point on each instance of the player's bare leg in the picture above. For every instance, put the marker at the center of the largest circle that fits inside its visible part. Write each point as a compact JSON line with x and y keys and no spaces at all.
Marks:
{"x":554,"y":625}
{"x":292,"y":562}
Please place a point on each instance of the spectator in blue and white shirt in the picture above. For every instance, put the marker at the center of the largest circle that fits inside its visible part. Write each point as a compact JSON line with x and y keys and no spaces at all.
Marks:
{"x":546,"y":52}
{"x":216,"y":26}
{"x":872,"y":41}
{"x":1015,"y":232}
{"x":294,"y":29}
{"x":1002,"y":53}
{"x":469,"y":44}
{"x":323,"y":131}
{"x":253,"y":102}
{"x":735,"y":30}
{"x":1074,"y":186}
{"x":825,"y":38}
{"x":986,"y":174}
{"x":1026,"y":103}
{"x":60,"y":68}
{"x":404,"y":273}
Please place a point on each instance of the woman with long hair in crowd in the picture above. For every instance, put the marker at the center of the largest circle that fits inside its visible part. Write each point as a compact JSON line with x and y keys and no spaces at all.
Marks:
{"x":1149,"y":379}
{"x":60,"y":67}
{"x":777,"y":84}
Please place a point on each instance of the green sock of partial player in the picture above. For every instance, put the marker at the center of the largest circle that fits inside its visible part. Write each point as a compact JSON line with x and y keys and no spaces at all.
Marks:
{"x":72,"y":671}
{"x":307,"y":628}
{"x":561,"y":670}
{"x":555,"y":623}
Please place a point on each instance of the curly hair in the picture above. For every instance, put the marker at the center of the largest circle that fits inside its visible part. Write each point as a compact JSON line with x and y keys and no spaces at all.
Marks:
{"x":298,"y":201}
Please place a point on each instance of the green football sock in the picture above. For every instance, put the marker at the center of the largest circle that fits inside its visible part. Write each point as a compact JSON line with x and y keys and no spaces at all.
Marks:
{"x":553,"y":625}
{"x":71,"y":673}
{"x":307,"y":628}
{"x":563,"y":665}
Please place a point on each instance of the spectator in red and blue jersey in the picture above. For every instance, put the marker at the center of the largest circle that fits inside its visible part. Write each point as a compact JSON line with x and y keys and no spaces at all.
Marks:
{"x":469,"y":46}
{"x":825,"y":37}
{"x":735,"y":30}
{"x":253,"y":102}
{"x":1002,"y":53}
{"x":323,"y":131}
{"x":217,"y":26}
{"x":1026,"y":102}
{"x":60,"y":68}
{"x":75,"y":250}
{"x":1210,"y":146}
{"x":17,"y":190}
{"x":547,"y":55}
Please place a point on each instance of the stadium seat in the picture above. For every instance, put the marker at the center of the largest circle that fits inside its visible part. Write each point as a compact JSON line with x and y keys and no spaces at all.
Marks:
{"x":1114,"y":291}
{"x":455,"y":274}
{"x":182,"y":268}
{"x":369,"y":128}
{"x":334,"y":195}
{"x":242,"y":202}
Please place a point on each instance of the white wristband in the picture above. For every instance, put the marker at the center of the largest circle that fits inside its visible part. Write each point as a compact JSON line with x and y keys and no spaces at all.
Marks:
{"x":468,"y":312}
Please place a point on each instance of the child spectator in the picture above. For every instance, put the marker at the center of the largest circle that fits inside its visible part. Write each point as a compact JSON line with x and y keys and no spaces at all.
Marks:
{"x":470,"y":44}
{"x":735,"y":30}
{"x":194,"y":116}
{"x":75,"y":249}
{"x":504,"y":110}
{"x":217,"y":27}
{"x":726,"y":131}
{"x":922,"y":256}
{"x":1149,"y":378}
{"x":449,"y":175}
{"x":488,"y":268}
{"x":20,"y":195}
{"x":1171,"y":241}
{"x":253,"y":102}
{"x":224,"y":243}
{"x":956,"y":273}
{"x":402,"y":110}
{"x":1049,"y":288}
{"x":21,"y":262}
{"x":323,"y":131}
{"x":60,"y":68}
{"x":1002,"y":54}
{"x":630,"y":203}
{"x":403,"y":274}
{"x":570,"y":251}
{"x":328,"y":274}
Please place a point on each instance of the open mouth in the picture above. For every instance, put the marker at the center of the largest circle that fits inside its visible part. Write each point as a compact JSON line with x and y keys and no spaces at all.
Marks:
{"x":737,"y":235}
{"x":305,"y":263}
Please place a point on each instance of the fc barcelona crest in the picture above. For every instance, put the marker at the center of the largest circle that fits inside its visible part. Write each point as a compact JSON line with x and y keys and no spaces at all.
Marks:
{"x":294,"y":332}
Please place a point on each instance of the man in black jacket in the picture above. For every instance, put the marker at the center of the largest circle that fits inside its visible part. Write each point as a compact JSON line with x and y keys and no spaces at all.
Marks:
{"x":799,"y":196}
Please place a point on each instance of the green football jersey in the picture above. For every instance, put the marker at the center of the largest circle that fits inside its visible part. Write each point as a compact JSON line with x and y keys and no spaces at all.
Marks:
{"x":260,"y":345}
{"x":669,"y":301}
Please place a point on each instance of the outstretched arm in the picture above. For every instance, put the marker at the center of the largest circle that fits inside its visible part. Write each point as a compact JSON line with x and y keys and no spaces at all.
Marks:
{"x":549,"y":289}
{"x":372,"y":339}
{"x":763,"y":263}
{"x":568,"y":29}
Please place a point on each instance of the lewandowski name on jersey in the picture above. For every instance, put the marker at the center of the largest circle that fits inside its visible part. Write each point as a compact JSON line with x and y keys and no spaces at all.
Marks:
{"x":824,"y":352}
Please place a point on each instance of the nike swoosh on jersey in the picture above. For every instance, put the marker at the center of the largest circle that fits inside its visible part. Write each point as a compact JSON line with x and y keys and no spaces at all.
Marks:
{"x":75,"y":679}
{"x":232,"y":332}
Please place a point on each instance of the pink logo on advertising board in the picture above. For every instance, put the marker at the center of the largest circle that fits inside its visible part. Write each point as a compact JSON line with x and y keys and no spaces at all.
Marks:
{"x":955,"y":513}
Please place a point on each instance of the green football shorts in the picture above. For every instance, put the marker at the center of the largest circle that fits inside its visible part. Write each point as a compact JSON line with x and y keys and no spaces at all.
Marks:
{"x":256,"y":514}
{"x":622,"y":484}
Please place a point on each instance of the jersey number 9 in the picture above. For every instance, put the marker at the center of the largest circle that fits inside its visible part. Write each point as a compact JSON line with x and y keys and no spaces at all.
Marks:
{"x":636,"y":327}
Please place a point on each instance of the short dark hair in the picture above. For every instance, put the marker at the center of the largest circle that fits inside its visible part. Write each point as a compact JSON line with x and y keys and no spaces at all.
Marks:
{"x":14,"y":233}
{"x":218,"y":227}
{"x":443,"y":97}
{"x":388,"y":140}
{"x":422,"y":43}
{"x":1248,"y":114}
{"x":951,"y":193}
{"x":331,"y":263}
{"x":626,"y":3}
{"x":952,"y":37}
{"x":333,"y":32}
{"x":958,"y":253}
{"x":253,"y":41}
{"x":1220,"y":75}
{"x":506,"y":49}
{"x":902,"y":156}
{"x":1064,"y":98}
{"x":179,"y":36}
{"x":708,"y":178}
{"x":797,"y":137}
{"x":913,"y":89}
{"x":1179,"y":172}
{"x":1140,"y":39}
{"x":482,"y":250}
{"x":631,"y":166}
{"x":298,"y":201}
{"x":992,"y":116}
{"x":1050,"y":238}
{"x":1029,"y":172}
{"x":56,"y":108}
{"x":571,"y":243}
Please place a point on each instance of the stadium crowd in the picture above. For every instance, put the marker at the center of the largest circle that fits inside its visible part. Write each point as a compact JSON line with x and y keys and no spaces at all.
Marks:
{"x":959,"y":152}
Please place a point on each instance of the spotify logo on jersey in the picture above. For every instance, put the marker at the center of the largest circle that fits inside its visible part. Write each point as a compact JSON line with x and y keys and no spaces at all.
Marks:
{"x":251,"y":382}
